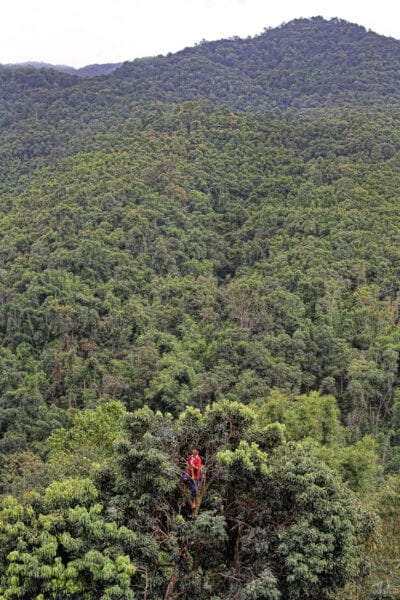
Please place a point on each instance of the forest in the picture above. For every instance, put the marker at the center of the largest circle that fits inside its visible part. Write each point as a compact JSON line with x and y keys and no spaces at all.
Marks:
{"x":203,"y":249}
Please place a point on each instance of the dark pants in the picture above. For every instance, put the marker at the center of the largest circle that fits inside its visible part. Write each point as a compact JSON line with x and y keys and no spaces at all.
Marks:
{"x":192,"y":483}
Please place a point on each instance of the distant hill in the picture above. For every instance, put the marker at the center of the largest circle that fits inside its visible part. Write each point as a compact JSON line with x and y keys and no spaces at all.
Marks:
{"x":87,"y":71}
{"x":307,"y":63}
{"x":96,"y":70}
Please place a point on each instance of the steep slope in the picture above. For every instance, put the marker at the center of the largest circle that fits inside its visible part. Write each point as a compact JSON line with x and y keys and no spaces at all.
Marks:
{"x":201,"y":254}
{"x":86,"y":71}
{"x":308,"y":62}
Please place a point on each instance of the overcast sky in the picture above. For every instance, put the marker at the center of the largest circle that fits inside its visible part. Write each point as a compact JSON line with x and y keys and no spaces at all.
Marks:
{"x":81,"y":32}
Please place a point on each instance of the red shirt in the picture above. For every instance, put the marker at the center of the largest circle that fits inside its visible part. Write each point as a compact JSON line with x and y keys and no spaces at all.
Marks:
{"x":194,"y":466}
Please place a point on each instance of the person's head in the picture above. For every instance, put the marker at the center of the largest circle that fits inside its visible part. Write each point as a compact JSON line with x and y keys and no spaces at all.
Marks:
{"x":195,"y":451}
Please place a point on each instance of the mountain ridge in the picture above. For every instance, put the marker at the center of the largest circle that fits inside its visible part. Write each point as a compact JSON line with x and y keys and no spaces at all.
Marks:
{"x":296,"y":64}
{"x":91,"y":70}
{"x":306,"y":63}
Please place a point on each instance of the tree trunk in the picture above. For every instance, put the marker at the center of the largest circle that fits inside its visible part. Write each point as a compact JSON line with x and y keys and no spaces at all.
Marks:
{"x":172,"y":582}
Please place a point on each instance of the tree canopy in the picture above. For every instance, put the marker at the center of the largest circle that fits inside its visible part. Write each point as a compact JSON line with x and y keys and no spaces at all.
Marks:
{"x":202,"y":248}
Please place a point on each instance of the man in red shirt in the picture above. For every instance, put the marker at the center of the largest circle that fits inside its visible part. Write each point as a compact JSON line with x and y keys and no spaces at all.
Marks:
{"x":194,"y":470}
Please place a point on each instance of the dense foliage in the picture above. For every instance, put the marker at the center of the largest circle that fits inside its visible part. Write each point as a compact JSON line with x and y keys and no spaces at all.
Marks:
{"x":176,"y":273}
{"x":204,"y":254}
{"x":271,"y":521}
{"x":88,"y":71}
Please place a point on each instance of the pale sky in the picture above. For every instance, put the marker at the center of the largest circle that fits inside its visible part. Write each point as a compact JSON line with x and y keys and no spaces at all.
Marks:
{"x":82,"y":32}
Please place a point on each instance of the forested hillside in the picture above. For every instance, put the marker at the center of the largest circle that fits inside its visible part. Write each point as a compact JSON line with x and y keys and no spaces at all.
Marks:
{"x":87,"y":71}
{"x":203,"y":250}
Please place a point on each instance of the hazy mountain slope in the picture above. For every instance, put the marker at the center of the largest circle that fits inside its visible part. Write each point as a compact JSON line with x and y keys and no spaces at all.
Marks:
{"x":86,"y":71}
{"x":306,"y":63}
